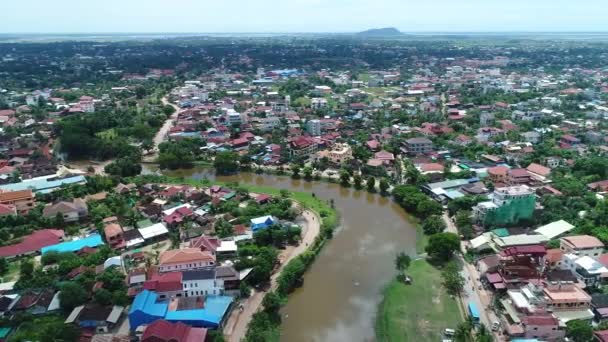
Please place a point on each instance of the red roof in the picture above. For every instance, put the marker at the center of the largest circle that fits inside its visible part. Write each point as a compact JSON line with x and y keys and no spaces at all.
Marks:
{"x":166,"y":282}
{"x":162,"y":330}
{"x":493,"y":278}
{"x":33,"y":242}
{"x":540,"y":320}
{"x":523,"y":250}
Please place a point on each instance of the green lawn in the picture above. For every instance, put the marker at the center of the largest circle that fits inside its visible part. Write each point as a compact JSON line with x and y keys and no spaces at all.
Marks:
{"x":416,"y":312}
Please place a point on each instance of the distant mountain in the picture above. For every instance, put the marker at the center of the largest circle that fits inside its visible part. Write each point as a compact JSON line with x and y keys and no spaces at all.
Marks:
{"x":381,"y":32}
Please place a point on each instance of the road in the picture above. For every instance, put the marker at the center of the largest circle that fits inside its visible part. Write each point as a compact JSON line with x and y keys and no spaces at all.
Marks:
{"x":473,"y":290}
{"x":161,"y":135}
{"x":236,"y":325}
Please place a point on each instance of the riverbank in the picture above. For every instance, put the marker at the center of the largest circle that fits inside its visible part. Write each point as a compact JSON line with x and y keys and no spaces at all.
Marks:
{"x":419,"y":311}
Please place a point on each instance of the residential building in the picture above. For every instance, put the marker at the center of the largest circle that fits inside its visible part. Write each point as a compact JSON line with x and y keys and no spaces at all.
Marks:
{"x":185,"y":259}
{"x":263,"y":222}
{"x":22,"y":200}
{"x":114,"y":235}
{"x":418,"y":145}
{"x":164,"y":331}
{"x":542,"y":327}
{"x":313,"y":127}
{"x":498,"y":174}
{"x":86,"y":104}
{"x":508,"y":205}
{"x":201,"y":283}
{"x":587,"y":270}
{"x":582,"y":245}
{"x":554,"y":229}
{"x":566,"y":296}
{"x":101,"y":318}
{"x":302,"y":147}
{"x":71,"y":211}
{"x":32,"y":243}
{"x":518,"y":176}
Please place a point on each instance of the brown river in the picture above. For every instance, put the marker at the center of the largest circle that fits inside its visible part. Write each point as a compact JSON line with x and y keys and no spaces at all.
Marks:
{"x":343,"y":287}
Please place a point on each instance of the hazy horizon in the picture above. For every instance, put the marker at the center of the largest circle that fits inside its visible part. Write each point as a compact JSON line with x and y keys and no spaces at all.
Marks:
{"x":301,"y":16}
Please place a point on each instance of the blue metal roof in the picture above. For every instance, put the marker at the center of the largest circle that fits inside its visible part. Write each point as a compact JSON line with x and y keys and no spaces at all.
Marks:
{"x":213,"y":312}
{"x":145,"y":301}
{"x":43,"y":185}
{"x":75,"y":245}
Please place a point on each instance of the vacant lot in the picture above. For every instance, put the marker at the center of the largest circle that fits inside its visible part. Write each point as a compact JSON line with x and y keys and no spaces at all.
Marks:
{"x":416,"y":312}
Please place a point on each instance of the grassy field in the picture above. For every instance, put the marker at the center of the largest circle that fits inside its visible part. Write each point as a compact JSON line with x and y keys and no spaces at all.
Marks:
{"x":416,"y":312}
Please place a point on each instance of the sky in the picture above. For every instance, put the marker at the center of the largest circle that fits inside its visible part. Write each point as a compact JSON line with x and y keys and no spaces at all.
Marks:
{"x":218,"y":16}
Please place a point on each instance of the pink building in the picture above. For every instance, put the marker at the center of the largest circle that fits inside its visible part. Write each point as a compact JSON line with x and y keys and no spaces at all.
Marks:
{"x":545,"y":328}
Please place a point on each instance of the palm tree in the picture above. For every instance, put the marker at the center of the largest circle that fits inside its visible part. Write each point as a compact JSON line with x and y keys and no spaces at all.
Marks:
{"x":483,"y":334}
{"x":463,"y":331}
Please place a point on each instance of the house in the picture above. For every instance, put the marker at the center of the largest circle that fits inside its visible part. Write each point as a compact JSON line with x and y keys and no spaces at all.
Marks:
{"x":498,"y":174}
{"x":554,"y":229}
{"x":567,"y":297}
{"x":32,"y":243}
{"x":164,"y":331}
{"x":71,"y":211}
{"x":93,"y":316}
{"x":166,"y":285}
{"x":600,"y":186}
{"x":538,"y":171}
{"x":601,"y":335}
{"x":263,"y":222}
{"x":22,"y":200}
{"x":185,"y":259}
{"x":114,"y":236}
{"x":34,"y":302}
{"x":588,"y":270}
{"x":542,"y":327}
{"x":599,"y":305}
{"x":518,"y":176}
{"x":582,"y":245}
{"x":337,"y":155}
{"x":418,"y":145}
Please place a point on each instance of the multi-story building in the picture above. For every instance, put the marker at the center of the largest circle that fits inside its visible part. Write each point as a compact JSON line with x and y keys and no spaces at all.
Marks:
{"x":86,"y":104}
{"x":582,"y":245}
{"x":185,"y":259}
{"x":23,"y":200}
{"x":313,"y":127}
{"x":418,"y":145}
{"x":566,"y":296}
{"x":201,"y":282}
{"x":542,"y":327}
{"x":234,"y":118}
{"x":302,"y":147}
{"x":508,"y":205}
{"x":339,"y":154}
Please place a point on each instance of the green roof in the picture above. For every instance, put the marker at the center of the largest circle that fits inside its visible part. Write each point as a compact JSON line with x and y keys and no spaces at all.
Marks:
{"x":501,"y":232}
{"x":144,"y":223}
{"x":4,"y":332}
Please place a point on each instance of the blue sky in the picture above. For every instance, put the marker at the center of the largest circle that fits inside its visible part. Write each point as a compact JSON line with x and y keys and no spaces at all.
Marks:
{"x":75,"y":16}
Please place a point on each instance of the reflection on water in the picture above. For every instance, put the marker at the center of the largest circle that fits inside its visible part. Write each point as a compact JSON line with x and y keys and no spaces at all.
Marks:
{"x":342,"y":288}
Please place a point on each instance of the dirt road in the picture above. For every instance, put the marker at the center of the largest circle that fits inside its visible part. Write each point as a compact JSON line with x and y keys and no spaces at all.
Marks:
{"x":236,"y":325}
{"x":161,"y":135}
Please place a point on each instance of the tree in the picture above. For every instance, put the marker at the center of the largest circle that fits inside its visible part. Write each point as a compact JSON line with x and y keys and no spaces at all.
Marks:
{"x":433,"y":224}
{"x":123,"y":167}
{"x":402,"y":262}
{"x":26,"y":269}
{"x":226,"y":163}
{"x":72,"y":295}
{"x":483,"y":334}
{"x":272,"y":302}
{"x":383,"y":186}
{"x":168,"y":110}
{"x":308,"y":173}
{"x":244,"y":290}
{"x":147,"y":144}
{"x":579,"y":331}
{"x":452,"y":280}
{"x":103,"y":297}
{"x":295,"y":171}
{"x":441,"y":246}
{"x":463,"y":331}
{"x":357,"y":180}
{"x":344,"y":178}
{"x":3,"y":266}
{"x":371,"y":184}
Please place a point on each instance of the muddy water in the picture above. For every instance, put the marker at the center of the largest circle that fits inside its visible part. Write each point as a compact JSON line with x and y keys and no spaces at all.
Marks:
{"x":342,"y":288}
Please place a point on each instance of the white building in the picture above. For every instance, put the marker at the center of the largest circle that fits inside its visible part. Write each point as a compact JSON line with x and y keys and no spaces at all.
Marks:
{"x":582,"y":245}
{"x":201,"y":283}
{"x":313,"y":127}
